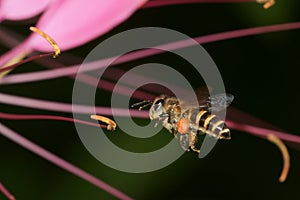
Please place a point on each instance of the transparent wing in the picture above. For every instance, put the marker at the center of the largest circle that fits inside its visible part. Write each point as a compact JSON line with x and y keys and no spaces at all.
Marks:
{"x":202,"y":100}
{"x":214,"y":103}
{"x":219,"y":102}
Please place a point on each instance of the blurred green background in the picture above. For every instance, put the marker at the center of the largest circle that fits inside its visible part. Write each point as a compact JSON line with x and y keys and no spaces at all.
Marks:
{"x":261,"y":71}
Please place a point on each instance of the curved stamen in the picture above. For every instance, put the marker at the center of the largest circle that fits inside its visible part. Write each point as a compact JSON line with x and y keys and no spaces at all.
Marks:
{"x":48,"y":38}
{"x":267,"y":3}
{"x":111,"y":124}
{"x":285,"y":155}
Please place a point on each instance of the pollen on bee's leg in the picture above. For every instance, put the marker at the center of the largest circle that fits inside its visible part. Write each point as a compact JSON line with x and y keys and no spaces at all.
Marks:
{"x":182,"y":126}
{"x":267,"y":3}
{"x":48,"y":38}
{"x":111,"y":125}
{"x":285,"y":155}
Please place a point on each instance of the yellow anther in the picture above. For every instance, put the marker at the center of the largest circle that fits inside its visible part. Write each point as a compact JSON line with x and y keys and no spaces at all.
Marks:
{"x":111,"y":125}
{"x":267,"y":3}
{"x":49,"y":39}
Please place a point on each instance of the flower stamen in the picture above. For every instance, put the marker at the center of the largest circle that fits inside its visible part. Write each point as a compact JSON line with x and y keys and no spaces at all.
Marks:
{"x":12,"y":116}
{"x":267,"y":3}
{"x":111,"y":125}
{"x":285,"y":155}
{"x":6,"y":69}
{"x":48,"y":38}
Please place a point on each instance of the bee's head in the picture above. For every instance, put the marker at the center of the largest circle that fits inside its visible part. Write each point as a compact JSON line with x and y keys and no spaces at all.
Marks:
{"x":157,"y":110}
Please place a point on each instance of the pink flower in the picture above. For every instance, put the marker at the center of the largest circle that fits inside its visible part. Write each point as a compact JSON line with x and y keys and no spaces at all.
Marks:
{"x":66,"y":21}
{"x":73,"y":24}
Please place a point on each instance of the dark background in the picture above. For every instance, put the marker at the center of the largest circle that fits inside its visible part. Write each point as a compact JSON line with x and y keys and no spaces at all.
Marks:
{"x":261,"y":71}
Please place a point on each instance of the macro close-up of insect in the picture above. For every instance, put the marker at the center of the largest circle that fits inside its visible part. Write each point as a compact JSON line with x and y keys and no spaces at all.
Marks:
{"x":187,"y":120}
{"x":99,"y":100}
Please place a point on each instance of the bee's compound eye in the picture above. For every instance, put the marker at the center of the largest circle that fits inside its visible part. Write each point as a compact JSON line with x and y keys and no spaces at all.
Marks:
{"x":158,"y":104}
{"x":160,"y":101}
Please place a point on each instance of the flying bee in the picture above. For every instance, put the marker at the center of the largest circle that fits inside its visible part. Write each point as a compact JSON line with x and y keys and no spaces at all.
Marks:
{"x":187,"y":120}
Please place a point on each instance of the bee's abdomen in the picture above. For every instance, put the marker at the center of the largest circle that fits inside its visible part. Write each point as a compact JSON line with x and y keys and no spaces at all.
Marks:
{"x":213,"y":125}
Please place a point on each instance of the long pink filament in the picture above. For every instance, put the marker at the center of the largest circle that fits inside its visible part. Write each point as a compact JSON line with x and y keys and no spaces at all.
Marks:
{"x":10,"y":134}
{"x":6,"y":192}
{"x":65,"y":107}
{"x":25,"y":61}
{"x":11,"y":116}
{"x":62,"y":107}
{"x":35,"y":76}
{"x":159,"y":3}
{"x":262,"y":132}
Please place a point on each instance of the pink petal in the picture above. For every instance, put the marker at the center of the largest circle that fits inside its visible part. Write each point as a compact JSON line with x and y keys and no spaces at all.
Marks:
{"x":74,"y":23}
{"x":18,"y":10}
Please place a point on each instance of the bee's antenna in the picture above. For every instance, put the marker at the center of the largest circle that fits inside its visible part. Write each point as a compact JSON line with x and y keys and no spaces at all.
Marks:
{"x":142,"y":104}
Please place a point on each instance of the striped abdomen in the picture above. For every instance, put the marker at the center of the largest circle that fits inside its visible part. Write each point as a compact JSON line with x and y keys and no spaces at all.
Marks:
{"x":210,"y":124}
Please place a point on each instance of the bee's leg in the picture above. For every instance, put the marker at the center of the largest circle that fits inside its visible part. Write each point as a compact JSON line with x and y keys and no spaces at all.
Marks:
{"x":184,"y":141}
{"x":193,"y":140}
{"x":168,"y":126}
{"x":176,"y":134}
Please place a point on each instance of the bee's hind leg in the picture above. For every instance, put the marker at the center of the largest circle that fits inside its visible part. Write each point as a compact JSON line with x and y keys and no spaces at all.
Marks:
{"x":193,"y":140}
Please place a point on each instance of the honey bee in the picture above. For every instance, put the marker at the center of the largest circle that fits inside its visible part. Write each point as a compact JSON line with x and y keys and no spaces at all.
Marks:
{"x":187,"y":121}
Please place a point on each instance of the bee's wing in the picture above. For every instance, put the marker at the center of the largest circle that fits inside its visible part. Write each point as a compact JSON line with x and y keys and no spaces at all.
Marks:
{"x":203,"y":94}
{"x":220,"y":101}
{"x":214,"y":103}
{"x":202,"y":100}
